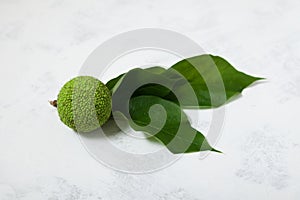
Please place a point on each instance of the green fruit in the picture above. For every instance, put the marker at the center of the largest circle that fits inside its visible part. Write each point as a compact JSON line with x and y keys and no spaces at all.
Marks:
{"x":84,"y":103}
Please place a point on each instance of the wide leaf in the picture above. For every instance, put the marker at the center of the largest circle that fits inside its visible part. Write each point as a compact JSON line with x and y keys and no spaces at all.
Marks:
{"x":214,"y":80}
{"x":165,"y":121}
{"x":201,"y":82}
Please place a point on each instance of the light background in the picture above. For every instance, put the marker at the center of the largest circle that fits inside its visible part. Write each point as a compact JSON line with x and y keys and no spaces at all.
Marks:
{"x":44,"y":43}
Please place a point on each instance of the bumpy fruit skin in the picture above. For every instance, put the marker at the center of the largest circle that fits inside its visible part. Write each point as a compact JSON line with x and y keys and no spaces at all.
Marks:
{"x":84,"y":104}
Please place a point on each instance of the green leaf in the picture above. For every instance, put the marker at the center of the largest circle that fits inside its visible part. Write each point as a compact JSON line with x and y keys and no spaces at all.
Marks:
{"x":111,"y":84}
{"x":155,"y":70}
{"x":199,"y":82}
{"x":153,"y":88}
{"x":165,"y":121}
{"x":143,"y":82}
{"x":213,"y":79}
{"x":156,"y":97}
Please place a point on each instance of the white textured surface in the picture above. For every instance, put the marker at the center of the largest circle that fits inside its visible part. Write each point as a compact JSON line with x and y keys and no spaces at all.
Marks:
{"x":44,"y":43}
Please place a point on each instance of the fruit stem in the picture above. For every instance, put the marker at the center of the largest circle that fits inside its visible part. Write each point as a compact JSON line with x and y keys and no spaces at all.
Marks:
{"x":53,"y":103}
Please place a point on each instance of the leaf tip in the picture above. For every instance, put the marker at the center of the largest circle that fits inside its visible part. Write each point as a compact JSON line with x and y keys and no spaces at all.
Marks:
{"x":260,"y":78}
{"x":217,"y":151}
